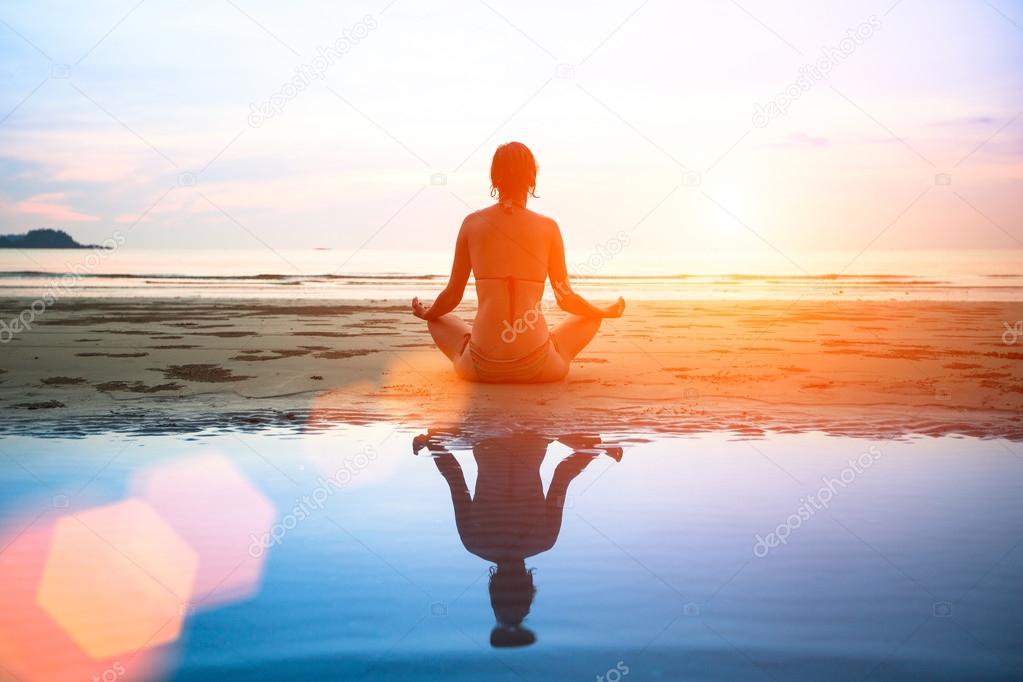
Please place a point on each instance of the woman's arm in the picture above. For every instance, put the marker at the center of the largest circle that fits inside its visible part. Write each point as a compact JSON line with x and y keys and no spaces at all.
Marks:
{"x":567,"y":299}
{"x":448,"y":299}
{"x":451,"y":470}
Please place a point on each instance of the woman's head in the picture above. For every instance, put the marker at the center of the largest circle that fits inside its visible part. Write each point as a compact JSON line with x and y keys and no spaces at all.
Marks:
{"x":513,"y":172}
{"x":511,"y":595}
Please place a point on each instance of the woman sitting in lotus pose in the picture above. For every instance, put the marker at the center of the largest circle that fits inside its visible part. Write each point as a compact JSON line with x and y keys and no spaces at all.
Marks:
{"x":511,"y":251}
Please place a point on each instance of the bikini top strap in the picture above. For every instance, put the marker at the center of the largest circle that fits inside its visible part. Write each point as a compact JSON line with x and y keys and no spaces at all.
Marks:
{"x":510,"y":284}
{"x":513,"y":277}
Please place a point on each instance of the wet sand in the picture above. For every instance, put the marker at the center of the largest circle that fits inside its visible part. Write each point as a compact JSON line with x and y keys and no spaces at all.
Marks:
{"x":870,"y":369}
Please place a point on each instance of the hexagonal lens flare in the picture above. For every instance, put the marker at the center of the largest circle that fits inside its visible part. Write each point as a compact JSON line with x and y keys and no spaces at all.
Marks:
{"x":33,"y":646}
{"x":116,"y":579}
{"x":218,"y":512}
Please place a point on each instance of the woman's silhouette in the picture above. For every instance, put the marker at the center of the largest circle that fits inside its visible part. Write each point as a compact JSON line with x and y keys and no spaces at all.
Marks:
{"x":511,"y":251}
{"x":509,"y":518}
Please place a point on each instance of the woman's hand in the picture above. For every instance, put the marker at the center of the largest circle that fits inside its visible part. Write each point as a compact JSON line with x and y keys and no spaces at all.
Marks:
{"x":418,"y":309}
{"x":615,"y":309}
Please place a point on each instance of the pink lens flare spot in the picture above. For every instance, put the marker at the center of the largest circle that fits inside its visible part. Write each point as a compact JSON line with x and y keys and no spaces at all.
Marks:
{"x":220,"y":513}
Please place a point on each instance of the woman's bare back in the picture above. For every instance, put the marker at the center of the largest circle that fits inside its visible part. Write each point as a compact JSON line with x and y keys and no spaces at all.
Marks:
{"x":509,"y":249}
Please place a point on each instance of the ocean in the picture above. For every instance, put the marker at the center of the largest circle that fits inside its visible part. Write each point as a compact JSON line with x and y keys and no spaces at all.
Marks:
{"x":369,"y":274}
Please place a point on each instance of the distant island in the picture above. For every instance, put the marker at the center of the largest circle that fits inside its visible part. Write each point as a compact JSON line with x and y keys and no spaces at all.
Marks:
{"x":42,"y":239}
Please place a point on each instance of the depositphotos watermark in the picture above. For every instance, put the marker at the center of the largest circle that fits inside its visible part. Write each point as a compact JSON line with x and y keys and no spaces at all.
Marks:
{"x":603,"y":254}
{"x":529,"y":320}
{"x":60,"y":286}
{"x":814,"y":503}
{"x":614,"y":674}
{"x":114,"y":672}
{"x":815,"y":72}
{"x":306,"y":74}
{"x":1012,"y":332}
{"x":314,"y":501}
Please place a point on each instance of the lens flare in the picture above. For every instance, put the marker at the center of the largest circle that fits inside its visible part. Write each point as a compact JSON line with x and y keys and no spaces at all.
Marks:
{"x":33,"y":647}
{"x":117,"y":579}
{"x":217,"y":511}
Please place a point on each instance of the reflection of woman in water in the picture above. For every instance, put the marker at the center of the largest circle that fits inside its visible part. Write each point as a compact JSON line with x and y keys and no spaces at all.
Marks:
{"x":509,"y":518}
{"x":511,"y":251}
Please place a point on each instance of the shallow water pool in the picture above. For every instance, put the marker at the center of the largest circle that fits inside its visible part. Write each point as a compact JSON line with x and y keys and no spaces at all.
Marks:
{"x":385,"y":552}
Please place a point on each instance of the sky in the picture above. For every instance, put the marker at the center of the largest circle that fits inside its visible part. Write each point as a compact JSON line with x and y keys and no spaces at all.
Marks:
{"x":895,"y":125}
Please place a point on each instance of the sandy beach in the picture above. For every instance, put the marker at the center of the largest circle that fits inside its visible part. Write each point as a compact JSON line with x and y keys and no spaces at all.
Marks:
{"x":872,"y":369}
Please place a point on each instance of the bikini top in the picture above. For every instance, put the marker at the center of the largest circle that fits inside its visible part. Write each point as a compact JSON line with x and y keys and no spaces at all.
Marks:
{"x":507,"y":205}
{"x":510,"y":283}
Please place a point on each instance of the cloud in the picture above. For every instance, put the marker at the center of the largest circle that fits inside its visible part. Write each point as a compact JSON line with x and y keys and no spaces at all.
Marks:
{"x":49,"y":206}
{"x":964,"y":121}
{"x":804,"y":140}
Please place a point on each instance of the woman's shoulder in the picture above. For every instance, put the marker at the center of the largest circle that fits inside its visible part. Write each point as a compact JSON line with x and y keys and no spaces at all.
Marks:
{"x":478,"y":216}
{"x":493,"y":215}
{"x":545,"y":219}
{"x":548,"y":225}
{"x":473,"y":219}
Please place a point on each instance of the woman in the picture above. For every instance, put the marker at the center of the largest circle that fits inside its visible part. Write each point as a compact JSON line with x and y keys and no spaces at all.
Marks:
{"x":511,"y":251}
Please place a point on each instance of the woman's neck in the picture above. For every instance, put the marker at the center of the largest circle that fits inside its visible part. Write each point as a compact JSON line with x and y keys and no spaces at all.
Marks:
{"x":519,"y":201}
